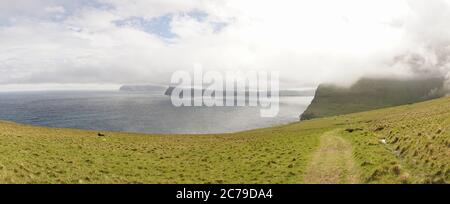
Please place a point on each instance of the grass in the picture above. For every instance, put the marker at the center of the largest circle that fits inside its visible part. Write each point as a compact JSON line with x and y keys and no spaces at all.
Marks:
{"x":42,"y":155}
{"x":332,"y":162}
{"x":417,"y":150}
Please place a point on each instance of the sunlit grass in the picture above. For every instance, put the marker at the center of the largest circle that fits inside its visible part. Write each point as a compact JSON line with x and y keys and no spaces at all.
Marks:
{"x":417,"y":151}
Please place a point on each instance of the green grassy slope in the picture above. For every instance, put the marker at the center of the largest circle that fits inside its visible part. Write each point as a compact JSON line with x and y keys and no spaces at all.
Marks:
{"x":369,"y":94}
{"x":417,"y":137}
{"x":41,"y":155}
{"x":417,"y":150}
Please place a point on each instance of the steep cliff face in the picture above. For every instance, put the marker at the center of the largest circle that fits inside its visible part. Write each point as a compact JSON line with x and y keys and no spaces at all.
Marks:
{"x":368,"y":94}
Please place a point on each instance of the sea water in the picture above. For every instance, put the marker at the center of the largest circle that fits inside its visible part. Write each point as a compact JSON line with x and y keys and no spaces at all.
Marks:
{"x":143,"y":112}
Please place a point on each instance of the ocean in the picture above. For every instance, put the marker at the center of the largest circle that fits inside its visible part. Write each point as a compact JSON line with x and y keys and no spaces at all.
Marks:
{"x":141,"y":112}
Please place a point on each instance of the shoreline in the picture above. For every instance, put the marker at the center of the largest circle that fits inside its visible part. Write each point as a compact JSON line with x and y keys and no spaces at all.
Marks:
{"x":144,"y":133}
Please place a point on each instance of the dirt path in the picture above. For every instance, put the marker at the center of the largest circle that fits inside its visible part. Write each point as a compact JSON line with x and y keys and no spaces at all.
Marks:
{"x":333,"y":162}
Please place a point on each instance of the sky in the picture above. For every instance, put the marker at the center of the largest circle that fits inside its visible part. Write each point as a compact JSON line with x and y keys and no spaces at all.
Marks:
{"x":101,"y":44}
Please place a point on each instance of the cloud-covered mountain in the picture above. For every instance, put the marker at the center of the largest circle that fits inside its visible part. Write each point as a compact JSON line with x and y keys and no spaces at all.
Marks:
{"x":308,"y":42}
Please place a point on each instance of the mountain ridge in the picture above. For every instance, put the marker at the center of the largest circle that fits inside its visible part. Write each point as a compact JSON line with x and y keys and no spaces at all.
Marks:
{"x":372,"y":93}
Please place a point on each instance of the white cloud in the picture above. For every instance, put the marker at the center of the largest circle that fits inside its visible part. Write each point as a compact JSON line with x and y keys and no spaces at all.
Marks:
{"x":307,"y":41}
{"x":55,"y":9}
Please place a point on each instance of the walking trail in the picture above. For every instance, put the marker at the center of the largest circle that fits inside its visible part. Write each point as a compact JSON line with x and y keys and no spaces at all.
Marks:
{"x":333,"y":162}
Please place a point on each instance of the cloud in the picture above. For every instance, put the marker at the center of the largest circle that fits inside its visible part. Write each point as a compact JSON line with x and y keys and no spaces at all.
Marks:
{"x":426,"y":50}
{"x":145,"y":41}
{"x":55,"y":9}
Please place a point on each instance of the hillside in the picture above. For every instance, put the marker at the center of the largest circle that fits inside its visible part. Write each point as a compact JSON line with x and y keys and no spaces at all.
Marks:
{"x":369,"y":94}
{"x":405,"y":144}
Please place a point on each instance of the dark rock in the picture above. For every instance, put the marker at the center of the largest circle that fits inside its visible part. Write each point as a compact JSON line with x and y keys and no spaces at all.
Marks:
{"x":350,"y":130}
